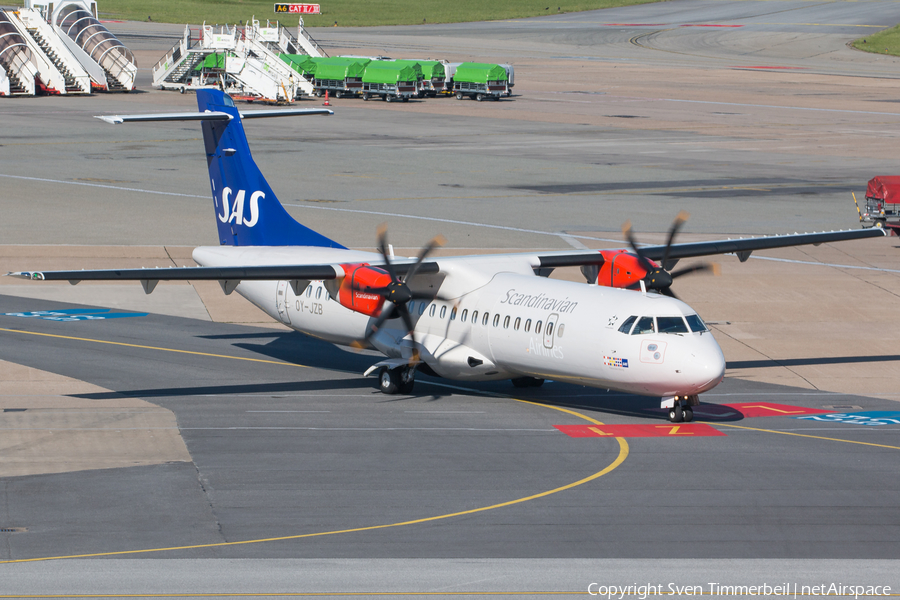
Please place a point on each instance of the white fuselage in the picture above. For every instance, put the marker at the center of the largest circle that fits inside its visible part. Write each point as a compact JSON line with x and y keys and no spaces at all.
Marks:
{"x":502,"y":322}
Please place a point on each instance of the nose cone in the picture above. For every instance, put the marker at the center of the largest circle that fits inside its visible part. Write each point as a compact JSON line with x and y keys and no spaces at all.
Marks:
{"x":705,"y":364}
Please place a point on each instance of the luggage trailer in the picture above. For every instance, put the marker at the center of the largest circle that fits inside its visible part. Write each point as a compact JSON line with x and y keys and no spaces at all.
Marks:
{"x":882,"y":208}
{"x":393,"y":82}
{"x":341,"y":76}
{"x":479,"y":81}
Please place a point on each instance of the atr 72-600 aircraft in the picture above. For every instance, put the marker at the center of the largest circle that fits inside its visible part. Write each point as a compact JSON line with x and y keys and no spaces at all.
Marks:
{"x":473,"y":318}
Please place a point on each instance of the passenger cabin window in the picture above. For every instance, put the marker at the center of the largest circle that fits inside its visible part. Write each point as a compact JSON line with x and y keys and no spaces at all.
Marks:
{"x":421,"y":307}
{"x":443,"y":311}
{"x":496,"y":320}
{"x":309,"y":291}
{"x":537,"y":327}
{"x":506,"y":322}
{"x":517,"y":323}
{"x":671,"y":325}
{"x":431,"y":310}
{"x":549,"y":329}
{"x":465,"y":314}
{"x":474,"y":317}
{"x":318,"y":293}
{"x":644,"y":325}
{"x":696,"y":323}
{"x":484,"y":321}
{"x":528,"y":325}
{"x":559,"y":332}
{"x":453,"y":314}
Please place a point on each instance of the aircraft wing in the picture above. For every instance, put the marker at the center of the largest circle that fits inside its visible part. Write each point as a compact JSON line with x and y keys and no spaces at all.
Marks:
{"x":248,"y":273}
{"x":741,"y":247}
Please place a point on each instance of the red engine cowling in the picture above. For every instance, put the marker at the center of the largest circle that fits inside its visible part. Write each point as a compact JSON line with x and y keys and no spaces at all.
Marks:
{"x":352,"y":292}
{"x":620,"y":269}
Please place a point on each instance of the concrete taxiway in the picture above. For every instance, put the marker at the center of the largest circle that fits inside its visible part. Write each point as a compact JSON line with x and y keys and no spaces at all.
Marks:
{"x":204,"y":434}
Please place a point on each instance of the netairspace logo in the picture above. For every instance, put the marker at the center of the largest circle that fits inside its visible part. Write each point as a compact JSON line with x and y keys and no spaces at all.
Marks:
{"x":643,"y":591}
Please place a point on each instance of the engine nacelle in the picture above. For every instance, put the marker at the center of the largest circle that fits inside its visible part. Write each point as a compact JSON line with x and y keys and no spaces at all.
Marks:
{"x":620,"y":269}
{"x":352,"y":293}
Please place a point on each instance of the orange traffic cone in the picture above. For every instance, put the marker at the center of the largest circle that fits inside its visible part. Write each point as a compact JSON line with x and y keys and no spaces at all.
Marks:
{"x":326,"y":103}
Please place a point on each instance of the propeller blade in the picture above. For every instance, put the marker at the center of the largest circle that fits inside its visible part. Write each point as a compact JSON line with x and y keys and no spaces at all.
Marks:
{"x":374,"y":327}
{"x":629,"y":235}
{"x":673,"y":230}
{"x":434,"y":243}
{"x":382,"y":247}
{"x":407,"y":320}
{"x":713,"y":267}
{"x":668,"y":292}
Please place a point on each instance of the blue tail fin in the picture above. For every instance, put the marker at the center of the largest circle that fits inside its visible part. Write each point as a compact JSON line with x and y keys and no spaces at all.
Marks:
{"x":247,"y":211}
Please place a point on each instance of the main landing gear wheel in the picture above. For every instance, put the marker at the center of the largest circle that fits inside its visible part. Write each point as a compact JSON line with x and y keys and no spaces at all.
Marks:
{"x":396,"y":381}
{"x":388,"y":381}
{"x":688,"y":415}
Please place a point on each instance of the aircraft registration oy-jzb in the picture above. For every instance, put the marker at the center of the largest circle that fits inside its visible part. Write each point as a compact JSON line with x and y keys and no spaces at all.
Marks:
{"x":470,"y":318}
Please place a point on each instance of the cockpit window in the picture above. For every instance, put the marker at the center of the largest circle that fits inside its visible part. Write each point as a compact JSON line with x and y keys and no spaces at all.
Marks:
{"x":644,"y":325}
{"x":696,"y":323}
{"x":671,"y":325}
{"x":626,"y":326}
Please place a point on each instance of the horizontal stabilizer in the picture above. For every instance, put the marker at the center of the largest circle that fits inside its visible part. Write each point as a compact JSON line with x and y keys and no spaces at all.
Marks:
{"x":212,"y":115}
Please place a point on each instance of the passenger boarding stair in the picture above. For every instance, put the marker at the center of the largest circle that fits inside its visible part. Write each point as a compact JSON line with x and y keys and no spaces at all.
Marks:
{"x":108,"y":62}
{"x":19,"y":73}
{"x":175,"y":68}
{"x":251,"y":68}
{"x":258,"y":67}
{"x":280,"y":40}
{"x":58,"y":69}
{"x":307,"y":42}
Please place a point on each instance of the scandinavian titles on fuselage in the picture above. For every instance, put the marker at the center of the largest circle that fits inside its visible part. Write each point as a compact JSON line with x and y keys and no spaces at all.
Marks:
{"x":537,"y":348}
{"x":540,"y":301}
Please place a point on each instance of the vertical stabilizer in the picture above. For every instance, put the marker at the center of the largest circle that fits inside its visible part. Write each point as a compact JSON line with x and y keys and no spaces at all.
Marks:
{"x":247,"y":211}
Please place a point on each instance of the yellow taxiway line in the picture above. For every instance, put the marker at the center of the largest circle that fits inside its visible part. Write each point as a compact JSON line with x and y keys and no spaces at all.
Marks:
{"x":620,"y":458}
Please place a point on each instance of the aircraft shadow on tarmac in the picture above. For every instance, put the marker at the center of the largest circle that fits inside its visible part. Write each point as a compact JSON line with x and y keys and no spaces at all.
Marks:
{"x":226,"y":390}
{"x":799,"y":362}
{"x":295,"y":348}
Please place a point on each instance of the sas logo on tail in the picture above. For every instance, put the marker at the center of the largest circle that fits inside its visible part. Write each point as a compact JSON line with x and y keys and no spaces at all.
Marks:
{"x":235,"y":213}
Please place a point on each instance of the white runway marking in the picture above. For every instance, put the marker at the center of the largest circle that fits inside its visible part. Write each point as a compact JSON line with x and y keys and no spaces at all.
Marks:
{"x":100,"y":185}
{"x":807,"y":262}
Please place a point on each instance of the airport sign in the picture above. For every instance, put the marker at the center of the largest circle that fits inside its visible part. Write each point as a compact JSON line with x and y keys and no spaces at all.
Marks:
{"x":298,"y":9}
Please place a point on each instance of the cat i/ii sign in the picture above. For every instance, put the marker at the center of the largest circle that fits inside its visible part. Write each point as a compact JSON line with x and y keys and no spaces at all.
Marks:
{"x":298,"y":9}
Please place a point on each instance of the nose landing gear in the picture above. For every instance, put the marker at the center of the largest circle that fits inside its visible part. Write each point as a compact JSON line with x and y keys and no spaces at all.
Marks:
{"x":680,"y":410}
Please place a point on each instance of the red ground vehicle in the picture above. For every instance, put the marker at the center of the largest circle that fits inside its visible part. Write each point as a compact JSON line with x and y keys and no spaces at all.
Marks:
{"x":882,"y":208}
